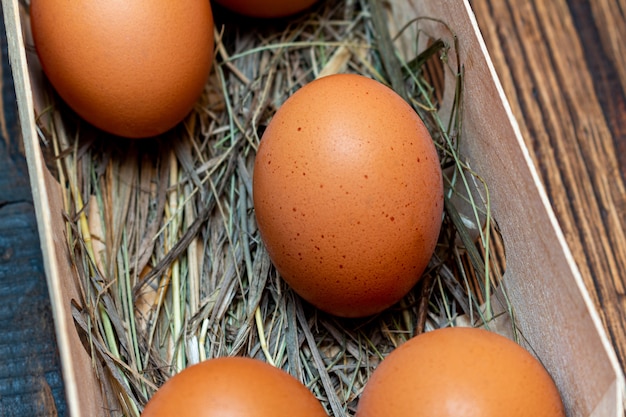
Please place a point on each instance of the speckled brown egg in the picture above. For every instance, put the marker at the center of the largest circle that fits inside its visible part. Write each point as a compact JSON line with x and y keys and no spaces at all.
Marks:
{"x":460,"y":372}
{"x":267,"y":8}
{"x":233,"y":387}
{"x":348,"y":194}
{"x":131,"y":68}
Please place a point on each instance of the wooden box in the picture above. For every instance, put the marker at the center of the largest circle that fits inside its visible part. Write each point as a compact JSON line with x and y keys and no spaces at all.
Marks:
{"x":552,"y":306}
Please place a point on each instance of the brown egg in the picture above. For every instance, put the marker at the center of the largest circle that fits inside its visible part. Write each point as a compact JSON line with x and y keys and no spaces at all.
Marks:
{"x":233,"y":387}
{"x":132,"y":68}
{"x":460,"y":372}
{"x":348,"y":194}
{"x":266,"y":8}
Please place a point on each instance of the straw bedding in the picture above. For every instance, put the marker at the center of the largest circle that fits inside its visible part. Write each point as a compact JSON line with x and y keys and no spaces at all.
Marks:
{"x":163,"y":237}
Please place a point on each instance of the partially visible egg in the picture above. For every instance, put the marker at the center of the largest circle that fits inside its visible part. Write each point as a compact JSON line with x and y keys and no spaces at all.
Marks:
{"x":267,"y":8}
{"x":132,"y":68}
{"x":233,"y":387}
{"x":348,"y":194}
{"x":460,"y":372}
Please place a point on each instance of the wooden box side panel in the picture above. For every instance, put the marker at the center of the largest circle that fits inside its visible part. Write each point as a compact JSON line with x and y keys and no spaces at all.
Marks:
{"x":541,"y":276}
{"x":81,"y":386}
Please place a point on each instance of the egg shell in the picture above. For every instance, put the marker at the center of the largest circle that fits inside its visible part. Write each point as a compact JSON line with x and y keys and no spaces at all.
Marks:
{"x":460,"y":372}
{"x":348,"y":194}
{"x":233,"y":387}
{"x":267,"y":8}
{"x":132,"y":68}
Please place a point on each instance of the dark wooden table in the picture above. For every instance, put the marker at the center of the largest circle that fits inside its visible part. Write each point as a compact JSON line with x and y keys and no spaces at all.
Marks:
{"x":563,"y":67}
{"x":30,"y":377}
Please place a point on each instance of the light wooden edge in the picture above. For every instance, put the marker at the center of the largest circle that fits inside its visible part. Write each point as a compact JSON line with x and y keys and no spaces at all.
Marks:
{"x":620,"y":383}
{"x":36,"y":170}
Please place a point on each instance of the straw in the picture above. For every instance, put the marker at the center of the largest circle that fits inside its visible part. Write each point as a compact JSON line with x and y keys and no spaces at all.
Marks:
{"x":171,"y":266}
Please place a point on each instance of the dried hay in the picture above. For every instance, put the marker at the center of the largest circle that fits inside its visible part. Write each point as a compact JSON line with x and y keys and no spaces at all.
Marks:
{"x":163,"y":236}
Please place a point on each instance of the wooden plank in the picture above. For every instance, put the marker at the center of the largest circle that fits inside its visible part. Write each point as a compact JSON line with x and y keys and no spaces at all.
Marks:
{"x":542,"y":62}
{"x":83,"y":392}
{"x":30,"y":378}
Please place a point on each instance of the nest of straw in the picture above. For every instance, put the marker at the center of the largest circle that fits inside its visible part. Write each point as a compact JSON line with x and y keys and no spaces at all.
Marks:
{"x":163,"y":236}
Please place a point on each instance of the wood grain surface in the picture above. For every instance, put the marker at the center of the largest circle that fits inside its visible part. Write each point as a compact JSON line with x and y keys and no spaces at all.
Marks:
{"x":30,"y":376}
{"x":563,"y":67}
